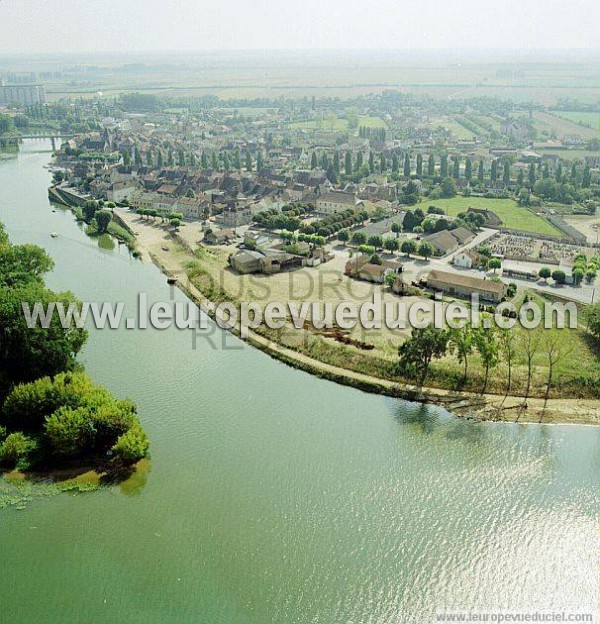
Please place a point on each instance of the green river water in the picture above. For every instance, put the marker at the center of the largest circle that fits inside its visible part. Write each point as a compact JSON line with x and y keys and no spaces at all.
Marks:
{"x":276,"y":497}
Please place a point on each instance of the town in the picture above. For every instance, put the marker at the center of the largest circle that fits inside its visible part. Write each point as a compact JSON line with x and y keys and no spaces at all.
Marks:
{"x":390,"y":192}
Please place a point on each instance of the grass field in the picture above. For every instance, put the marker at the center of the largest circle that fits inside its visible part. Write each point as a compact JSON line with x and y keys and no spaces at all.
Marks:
{"x":324,"y":125}
{"x":513,"y":216}
{"x":372,"y":122}
{"x":570,"y":154}
{"x":336,"y":124}
{"x":552,"y":125}
{"x":592,"y":120}
{"x":458,"y":131}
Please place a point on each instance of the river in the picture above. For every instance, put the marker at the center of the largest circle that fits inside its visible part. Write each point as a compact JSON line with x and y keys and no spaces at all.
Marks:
{"x":274,"y":496}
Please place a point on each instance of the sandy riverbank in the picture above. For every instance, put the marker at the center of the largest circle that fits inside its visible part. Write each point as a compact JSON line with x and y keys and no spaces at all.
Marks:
{"x":156,"y":244}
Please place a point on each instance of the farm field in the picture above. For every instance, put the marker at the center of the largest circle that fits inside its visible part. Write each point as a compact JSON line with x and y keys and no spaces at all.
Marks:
{"x":372,"y":122}
{"x":336,"y":124}
{"x":552,"y":125}
{"x":571,"y":154}
{"x":458,"y":131}
{"x":513,"y":216}
{"x":592,"y":120}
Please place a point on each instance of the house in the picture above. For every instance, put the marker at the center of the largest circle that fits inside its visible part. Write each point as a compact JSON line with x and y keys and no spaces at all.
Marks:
{"x":359,"y":267}
{"x":120,"y":191}
{"x":442,"y":242}
{"x":332,"y":202}
{"x":219,"y":237}
{"x":514,"y":130}
{"x":446,"y":241}
{"x":234,"y":217}
{"x":465,"y":259}
{"x":267,"y":261}
{"x":193,"y":208}
{"x":246,"y":261}
{"x":465,"y":285}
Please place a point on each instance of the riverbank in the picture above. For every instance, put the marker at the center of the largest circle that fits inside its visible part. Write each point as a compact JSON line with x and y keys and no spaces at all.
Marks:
{"x":172,"y":252}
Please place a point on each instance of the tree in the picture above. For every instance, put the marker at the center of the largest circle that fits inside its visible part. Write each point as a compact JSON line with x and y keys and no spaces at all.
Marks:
{"x":396,"y":229}
{"x":494,"y":263}
{"x":448,"y":188}
{"x":586,"y":179}
{"x":15,"y":448}
{"x":343,"y":236}
{"x":89,"y":210}
{"x":444,"y":166}
{"x":260,"y":161}
{"x":103,"y":218}
{"x":555,"y":350}
{"x":506,"y":172}
{"x":468,"y":169}
{"x":408,"y":247}
{"x":431,"y":166}
{"x":375,"y":241}
{"x":480,"y":171}
{"x":494,"y":170}
{"x":532,"y":175}
{"x":313,"y":161}
{"x":420,"y":349}
{"x":175,"y":223}
{"x":27,"y":353}
{"x":426,"y":250}
{"x":132,"y":445}
{"x":410,"y":193}
{"x":578,"y":274}
{"x":407,"y":166}
{"x":126,"y":158}
{"x":592,"y":319}
{"x":249,"y":165}
{"x":545,"y":273}
{"x":529,"y":343}
{"x":456,"y":167}
{"x":376,"y":259}
{"x":486,"y":343}
{"x":348,"y":163}
{"x":23,"y":264}
{"x":419,"y":165}
{"x":507,"y":341}
{"x":559,"y":276}
{"x":359,"y":238}
{"x":159,"y":159}
{"x":391,"y":244}
{"x":461,"y":340}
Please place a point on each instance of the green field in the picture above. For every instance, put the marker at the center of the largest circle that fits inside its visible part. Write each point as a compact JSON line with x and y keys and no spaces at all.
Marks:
{"x":372,"y":122}
{"x":336,"y":124}
{"x":327,"y":124}
{"x":592,"y":120}
{"x":513,"y":216}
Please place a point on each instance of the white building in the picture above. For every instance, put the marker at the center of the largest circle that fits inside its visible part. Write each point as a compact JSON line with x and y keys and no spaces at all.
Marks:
{"x":334,"y":202}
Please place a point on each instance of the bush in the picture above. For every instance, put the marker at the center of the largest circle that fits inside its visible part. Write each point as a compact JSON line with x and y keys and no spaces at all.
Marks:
{"x":28,"y":405}
{"x":69,"y":431}
{"x":15,"y":448}
{"x":132,"y":445}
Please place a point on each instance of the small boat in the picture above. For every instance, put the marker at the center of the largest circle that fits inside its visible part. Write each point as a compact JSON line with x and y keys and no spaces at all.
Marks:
{"x":54,"y":235}
{"x":171,"y":280}
{"x":165,"y":248}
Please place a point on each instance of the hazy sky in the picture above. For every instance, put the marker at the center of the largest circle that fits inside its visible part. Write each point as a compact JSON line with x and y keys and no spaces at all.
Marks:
{"x":130,"y":25}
